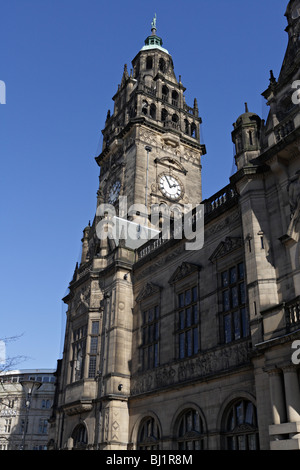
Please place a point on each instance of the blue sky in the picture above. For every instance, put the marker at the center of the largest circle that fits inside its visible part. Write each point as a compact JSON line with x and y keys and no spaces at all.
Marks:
{"x":61,"y":61}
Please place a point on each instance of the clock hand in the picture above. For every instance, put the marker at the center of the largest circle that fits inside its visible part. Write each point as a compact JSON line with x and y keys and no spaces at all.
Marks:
{"x":168,"y":182}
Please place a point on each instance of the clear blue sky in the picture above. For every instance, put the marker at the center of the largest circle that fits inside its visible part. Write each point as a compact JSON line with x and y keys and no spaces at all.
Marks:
{"x":62,"y":61}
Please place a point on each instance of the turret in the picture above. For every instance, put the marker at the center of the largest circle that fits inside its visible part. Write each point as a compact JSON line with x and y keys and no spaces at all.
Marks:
{"x":246,"y":137}
{"x":85,"y":244}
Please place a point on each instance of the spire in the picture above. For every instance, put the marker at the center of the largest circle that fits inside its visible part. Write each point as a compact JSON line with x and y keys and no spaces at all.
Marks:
{"x":125,"y":75}
{"x":246,"y":108}
{"x":153,"y":41}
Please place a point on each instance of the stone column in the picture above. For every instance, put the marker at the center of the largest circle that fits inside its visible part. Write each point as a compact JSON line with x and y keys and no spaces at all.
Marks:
{"x":277,"y":396}
{"x":292,"y":394}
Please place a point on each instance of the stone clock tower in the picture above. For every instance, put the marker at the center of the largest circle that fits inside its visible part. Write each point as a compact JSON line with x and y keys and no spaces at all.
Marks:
{"x":151,"y":155}
{"x":151,"y":141}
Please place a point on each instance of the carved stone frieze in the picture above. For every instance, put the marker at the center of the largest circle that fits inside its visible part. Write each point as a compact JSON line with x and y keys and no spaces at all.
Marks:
{"x":206,"y":364}
{"x":82,"y":298}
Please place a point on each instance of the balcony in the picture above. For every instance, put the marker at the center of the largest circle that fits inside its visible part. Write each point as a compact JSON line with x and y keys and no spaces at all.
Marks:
{"x":172,"y":125}
{"x":79,"y":396}
{"x":220,"y":199}
{"x":283,"y":130}
{"x":292,"y":314}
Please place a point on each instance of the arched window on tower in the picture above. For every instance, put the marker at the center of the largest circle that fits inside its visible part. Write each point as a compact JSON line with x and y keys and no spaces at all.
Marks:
{"x":193,"y":130}
{"x":148,"y":435}
{"x":164,"y":115}
{"x":175,"y":98}
{"x":162,"y":65}
{"x":153,"y":111}
{"x":145,"y":107}
{"x":238,"y":145}
{"x":149,"y":63}
{"x":165,"y":93}
{"x":175,"y":121}
{"x":133,"y":109}
{"x":186,"y":127}
{"x":251,"y":137}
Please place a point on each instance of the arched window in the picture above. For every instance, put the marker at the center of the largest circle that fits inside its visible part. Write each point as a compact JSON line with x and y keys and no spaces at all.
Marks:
{"x":149,"y":435}
{"x":149,"y":63}
{"x":186,"y":126}
{"x":153,"y":111}
{"x":164,"y":115}
{"x":251,"y":137}
{"x":190,"y":431}
{"x":174,"y":98}
{"x":79,"y":437}
{"x":175,"y":118}
{"x":241,"y":432}
{"x":162,"y":65}
{"x":165,"y":93}
{"x":193,"y":130}
{"x":145,"y":107}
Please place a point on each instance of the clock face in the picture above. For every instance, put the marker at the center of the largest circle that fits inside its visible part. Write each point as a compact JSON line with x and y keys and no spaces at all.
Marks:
{"x":114,"y":192}
{"x":170,"y":187}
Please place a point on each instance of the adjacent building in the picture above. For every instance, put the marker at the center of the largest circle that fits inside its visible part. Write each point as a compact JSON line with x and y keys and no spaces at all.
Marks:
{"x":23,"y":418}
{"x":171,"y":345}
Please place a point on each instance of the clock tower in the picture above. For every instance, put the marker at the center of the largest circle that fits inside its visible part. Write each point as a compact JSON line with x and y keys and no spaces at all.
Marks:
{"x":151,"y":141}
{"x":151,"y":155}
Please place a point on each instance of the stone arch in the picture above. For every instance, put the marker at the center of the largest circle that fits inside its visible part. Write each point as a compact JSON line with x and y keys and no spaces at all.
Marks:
{"x":79,"y":436}
{"x":137,"y":426}
{"x":228,"y":404}
{"x":191,"y":434}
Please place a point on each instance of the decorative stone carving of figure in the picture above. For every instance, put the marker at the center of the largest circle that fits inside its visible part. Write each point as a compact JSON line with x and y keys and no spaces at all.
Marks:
{"x":294,"y":198}
{"x":294,"y":192}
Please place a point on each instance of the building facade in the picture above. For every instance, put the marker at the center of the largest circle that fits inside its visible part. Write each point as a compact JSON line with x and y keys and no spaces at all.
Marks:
{"x":172,"y":344}
{"x":23,"y":421}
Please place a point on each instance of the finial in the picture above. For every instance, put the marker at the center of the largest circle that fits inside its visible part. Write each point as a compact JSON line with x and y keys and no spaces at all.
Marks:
{"x":153,"y":25}
{"x":246,"y":108}
{"x":125,"y":75}
{"x":272,"y":78}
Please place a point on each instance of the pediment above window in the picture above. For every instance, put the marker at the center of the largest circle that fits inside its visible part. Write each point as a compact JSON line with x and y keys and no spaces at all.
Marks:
{"x":184,"y":270}
{"x":225,"y":247}
{"x":148,"y":290}
{"x":170,"y":162}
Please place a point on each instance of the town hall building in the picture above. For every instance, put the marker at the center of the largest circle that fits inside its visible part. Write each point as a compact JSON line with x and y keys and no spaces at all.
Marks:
{"x":171,"y":345}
